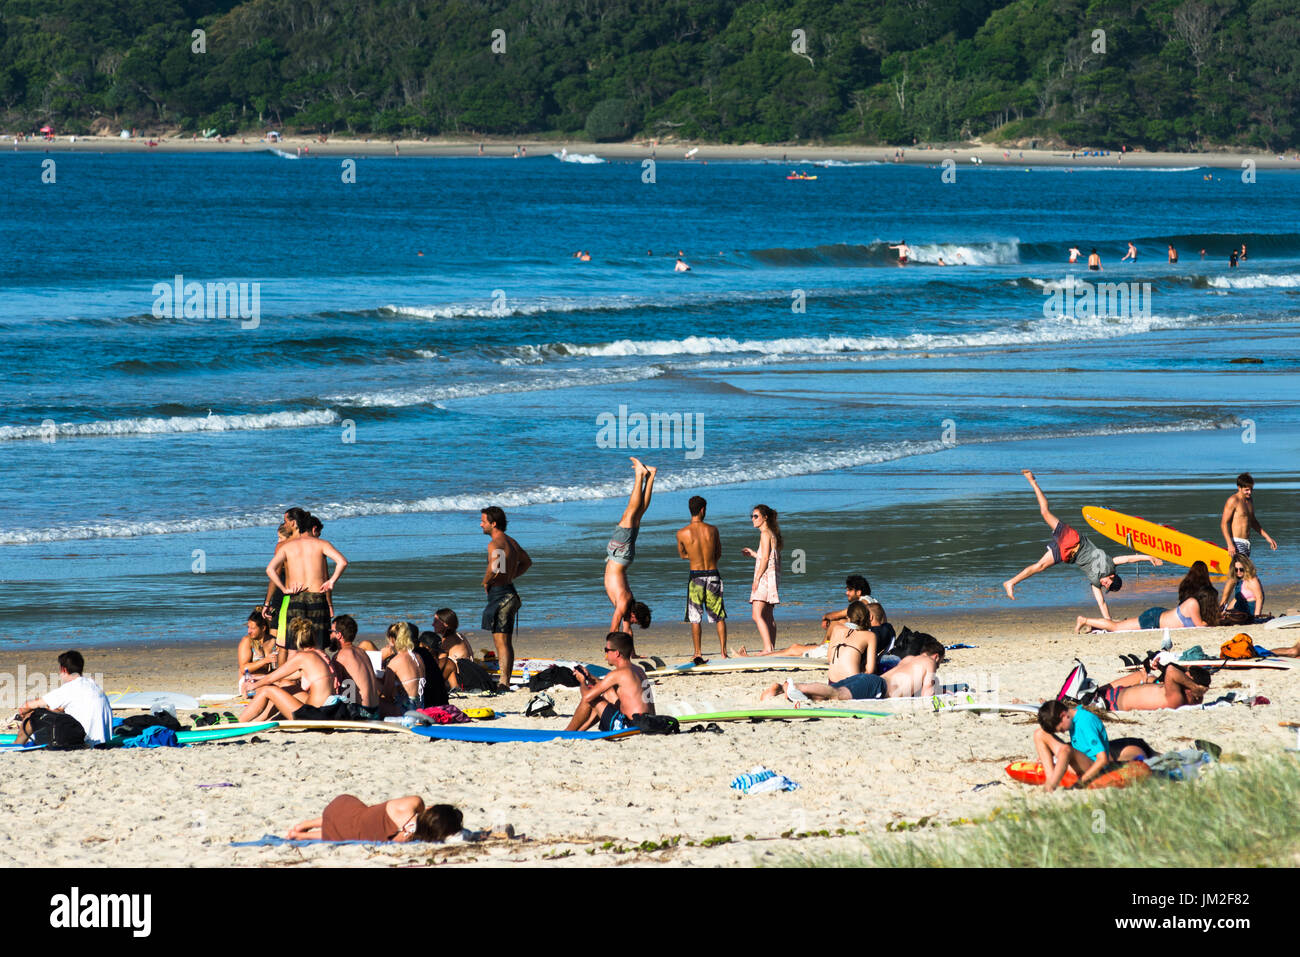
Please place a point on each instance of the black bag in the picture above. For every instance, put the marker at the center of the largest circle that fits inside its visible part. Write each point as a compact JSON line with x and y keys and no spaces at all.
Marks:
{"x":554,"y":675}
{"x":56,"y":730}
{"x":137,"y":724}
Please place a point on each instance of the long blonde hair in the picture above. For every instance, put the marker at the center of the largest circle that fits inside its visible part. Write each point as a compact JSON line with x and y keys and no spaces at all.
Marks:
{"x":402,"y":635}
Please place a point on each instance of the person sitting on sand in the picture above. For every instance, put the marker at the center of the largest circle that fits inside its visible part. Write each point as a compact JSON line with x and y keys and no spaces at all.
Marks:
{"x":876,"y":623}
{"x":1172,"y":688}
{"x":1200,"y":610}
{"x":402,"y":687}
{"x":618,"y":698}
{"x":621,"y":551}
{"x":359,"y":685}
{"x":402,"y":819}
{"x":456,"y":656}
{"x":256,"y":653}
{"x":912,"y":676}
{"x":436,"y":685}
{"x":1089,"y":752}
{"x":856,"y":588}
{"x":77,"y":696}
{"x":317,"y":698}
{"x":1067,"y":545}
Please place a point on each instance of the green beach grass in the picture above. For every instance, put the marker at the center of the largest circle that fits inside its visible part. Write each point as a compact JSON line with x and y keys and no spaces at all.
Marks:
{"x":1238,"y":815}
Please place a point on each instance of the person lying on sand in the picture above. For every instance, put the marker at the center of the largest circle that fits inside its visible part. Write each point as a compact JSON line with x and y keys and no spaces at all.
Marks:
{"x":1067,"y":545}
{"x":316,"y":700}
{"x":616,"y":699}
{"x":1089,"y":751}
{"x":1140,"y":691}
{"x":912,"y":676}
{"x":402,"y":819}
{"x":876,"y":623}
{"x":1197,"y":611}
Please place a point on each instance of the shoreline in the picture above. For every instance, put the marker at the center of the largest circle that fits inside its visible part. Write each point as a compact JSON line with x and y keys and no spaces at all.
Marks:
{"x":665,"y":152}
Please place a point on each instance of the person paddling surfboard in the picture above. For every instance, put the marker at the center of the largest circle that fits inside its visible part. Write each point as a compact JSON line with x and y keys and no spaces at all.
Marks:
{"x":1067,"y":545}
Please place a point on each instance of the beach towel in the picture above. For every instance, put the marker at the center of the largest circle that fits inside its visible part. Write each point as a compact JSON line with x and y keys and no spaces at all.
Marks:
{"x":445,"y":714}
{"x":760,"y":780}
{"x":157,"y":736}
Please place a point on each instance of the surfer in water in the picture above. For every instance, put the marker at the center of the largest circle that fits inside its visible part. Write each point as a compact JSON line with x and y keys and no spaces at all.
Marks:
{"x":1132,"y":254}
{"x":1075,"y":254}
{"x":904,"y":252}
{"x":1067,"y":545}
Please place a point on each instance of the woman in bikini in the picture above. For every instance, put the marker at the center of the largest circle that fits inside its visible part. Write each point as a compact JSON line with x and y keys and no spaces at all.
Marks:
{"x":402,"y":819}
{"x":763,"y":596}
{"x":402,"y":687}
{"x":256,"y":653}
{"x":315,"y":700}
{"x":1200,"y":610}
{"x":1243,"y":594}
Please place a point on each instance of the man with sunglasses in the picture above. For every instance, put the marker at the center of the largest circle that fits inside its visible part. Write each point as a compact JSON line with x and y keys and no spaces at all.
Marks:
{"x":616,"y":699}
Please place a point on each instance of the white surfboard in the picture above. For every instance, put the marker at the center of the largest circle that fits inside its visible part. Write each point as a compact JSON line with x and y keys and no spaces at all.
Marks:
{"x":148,"y":700}
{"x":1286,"y":621}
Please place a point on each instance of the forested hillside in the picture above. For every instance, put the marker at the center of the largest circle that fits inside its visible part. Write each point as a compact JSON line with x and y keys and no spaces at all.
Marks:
{"x":1176,"y":74}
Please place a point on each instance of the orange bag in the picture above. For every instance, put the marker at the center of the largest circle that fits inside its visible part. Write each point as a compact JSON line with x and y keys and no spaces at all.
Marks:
{"x":1240,"y":646}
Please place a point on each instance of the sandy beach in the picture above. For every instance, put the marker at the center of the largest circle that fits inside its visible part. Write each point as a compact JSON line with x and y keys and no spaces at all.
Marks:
{"x":964,"y":154}
{"x":644,"y":800}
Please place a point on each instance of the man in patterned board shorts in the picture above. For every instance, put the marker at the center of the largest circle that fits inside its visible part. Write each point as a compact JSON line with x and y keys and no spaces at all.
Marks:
{"x":700,"y":545}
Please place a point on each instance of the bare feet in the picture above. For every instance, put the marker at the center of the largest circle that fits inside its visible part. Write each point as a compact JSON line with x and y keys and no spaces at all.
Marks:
{"x":636,"y":464}
{"x":1010,"y":589}
{"x":1029,"y":475}
{"x":741,"y":652}
{"x":1081,"y":625}
{"x":652,"y":470}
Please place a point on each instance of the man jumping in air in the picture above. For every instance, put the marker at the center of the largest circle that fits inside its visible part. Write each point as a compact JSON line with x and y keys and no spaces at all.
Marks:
{"x":1067,"y":545}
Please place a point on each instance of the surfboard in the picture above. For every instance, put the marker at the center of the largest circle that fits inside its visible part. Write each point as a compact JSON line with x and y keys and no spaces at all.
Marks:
{"x":745,"y":714}
{"x":489,"y":734}
{"x":1228,"y":664}
{"x":1031,"y":772}
{"x":724,"y":665}
{"x":990,"y":708}
{"x":390,"y":726}
{"x":1160,"y":541}
{"x":1286,"y":621}
{"x":148,"y":700}
{"x":222,"y":732}
{"x":19,"y":748}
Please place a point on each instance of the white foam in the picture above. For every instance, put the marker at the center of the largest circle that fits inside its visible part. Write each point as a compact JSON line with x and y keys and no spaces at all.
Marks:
{"x":795,"y":464}
{"x":432,"y":395}
{"x":578,"y":158}
{"x":172,"y":425}
{"x":982,"y":254}
{"x":1256,"y":281}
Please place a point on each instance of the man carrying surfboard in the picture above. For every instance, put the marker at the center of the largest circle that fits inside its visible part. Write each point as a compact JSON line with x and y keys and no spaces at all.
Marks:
{"x":1067,"y":545}
{"x":1239,"y":518}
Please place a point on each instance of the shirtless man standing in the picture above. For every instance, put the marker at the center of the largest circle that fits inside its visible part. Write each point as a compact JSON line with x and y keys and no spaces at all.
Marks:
{"x":621,"y":551}
{"x":303,"y":560}
{"x":1239,"y":518}
{"x":700,"y":545}
{"x":506,"y":562}
{"x":360,"y":689}
{"x":616,"y":699}
{"x":912,"y":676}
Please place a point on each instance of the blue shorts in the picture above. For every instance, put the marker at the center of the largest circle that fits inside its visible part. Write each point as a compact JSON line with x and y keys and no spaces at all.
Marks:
{"x":613,"y":719}
{"x":1150,"y":618}
{"x":862,"y":686}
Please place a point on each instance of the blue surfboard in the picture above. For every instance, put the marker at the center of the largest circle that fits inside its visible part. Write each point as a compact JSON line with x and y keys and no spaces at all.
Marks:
{"x":492,"y":734}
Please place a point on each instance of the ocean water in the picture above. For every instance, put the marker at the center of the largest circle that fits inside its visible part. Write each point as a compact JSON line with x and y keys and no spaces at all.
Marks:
{"x":422,"y":342}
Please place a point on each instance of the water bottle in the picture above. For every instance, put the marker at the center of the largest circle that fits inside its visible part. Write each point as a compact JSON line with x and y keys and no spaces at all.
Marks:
{"x":248,"y":690}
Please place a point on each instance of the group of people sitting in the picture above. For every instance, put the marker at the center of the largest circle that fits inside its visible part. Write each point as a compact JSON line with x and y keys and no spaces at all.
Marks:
{"x":358,"y":682}
{"x":1200,"y":604}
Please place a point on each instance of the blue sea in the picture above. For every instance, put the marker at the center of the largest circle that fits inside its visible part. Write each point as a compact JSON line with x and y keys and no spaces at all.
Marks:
{"x":422,"y":342}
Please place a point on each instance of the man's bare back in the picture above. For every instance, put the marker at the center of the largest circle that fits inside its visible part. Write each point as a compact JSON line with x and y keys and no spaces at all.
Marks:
{"x":700,"y":545}
{"x":302,"y":560}
{"x":911,"y":677}
{"x":506,"y":560}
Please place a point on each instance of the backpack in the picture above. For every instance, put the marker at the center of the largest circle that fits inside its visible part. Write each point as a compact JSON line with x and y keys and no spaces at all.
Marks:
{"x":1239,"y":646}
{"x":56,"y":730}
